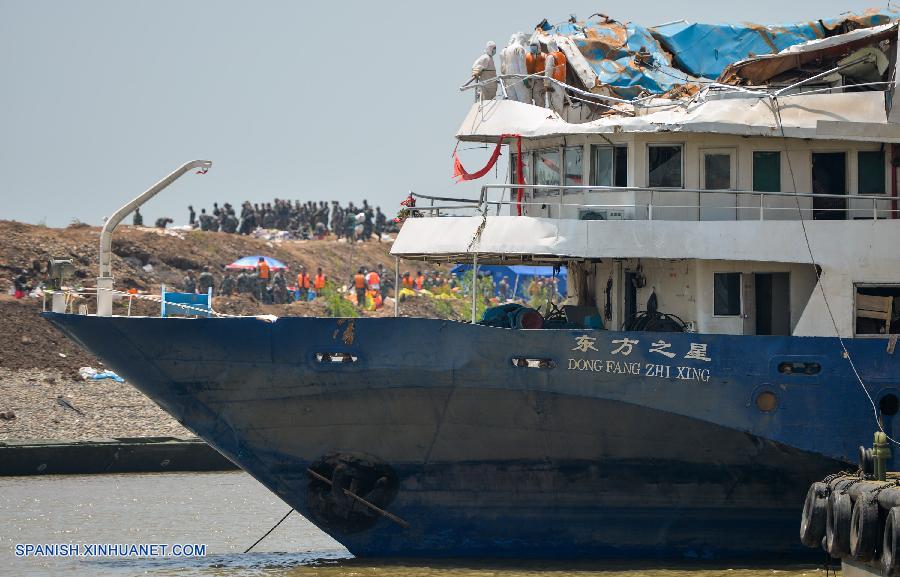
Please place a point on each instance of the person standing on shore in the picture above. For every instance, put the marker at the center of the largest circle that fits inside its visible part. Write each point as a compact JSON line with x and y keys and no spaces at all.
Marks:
{"x":206,"y":281}
{"x":20,"y":284}
{"x":189,"y":285}
{"x":137,"y":219}
{"x":319,"y":282}
{"x":192,"y":217}
{"x":302,"y":285}
{"x":262,"y":278}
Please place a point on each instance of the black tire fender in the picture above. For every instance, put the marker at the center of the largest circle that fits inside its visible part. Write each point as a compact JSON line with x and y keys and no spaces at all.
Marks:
{"x":890,"y":546}
{"x":837,"y":525}
{"x":864,"y":535}
{"x":815,"y":514}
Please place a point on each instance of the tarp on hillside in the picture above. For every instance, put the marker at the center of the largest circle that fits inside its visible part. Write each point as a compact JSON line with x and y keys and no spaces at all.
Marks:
{"x":524,"y":273}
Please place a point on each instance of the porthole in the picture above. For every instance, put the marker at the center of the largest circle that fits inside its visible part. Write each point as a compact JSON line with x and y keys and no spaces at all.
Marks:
{"x":799,"y":368}
{"x":889,"y":405}
{"x":766,"y":401}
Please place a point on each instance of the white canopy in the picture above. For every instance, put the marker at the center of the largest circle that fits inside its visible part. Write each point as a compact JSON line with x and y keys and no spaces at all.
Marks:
{"x":732,"y":113}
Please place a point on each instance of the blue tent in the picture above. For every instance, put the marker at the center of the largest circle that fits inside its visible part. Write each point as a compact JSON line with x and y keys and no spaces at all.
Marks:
{"x":525,"y":274}
{"x":251,"y":262}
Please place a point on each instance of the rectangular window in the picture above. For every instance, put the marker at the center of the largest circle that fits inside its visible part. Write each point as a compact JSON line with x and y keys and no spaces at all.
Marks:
{"x":766,"y":171}
{"x":547,"y":170}
{"x":871,"y":172}
{"x":609,"y":166}
{"x":717,"y":170}
{"x":665,"y":166}
{"x":877,"y":309}
{"x":620,"y":174}
{"x":572,"y":156}
{"x":602,"y":168}
{"x":727,"y":294}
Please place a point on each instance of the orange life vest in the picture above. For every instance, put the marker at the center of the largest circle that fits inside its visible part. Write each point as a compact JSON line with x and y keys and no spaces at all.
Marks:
{"x":559,"y":66}
{"x":407,"y":282}
{"x":373,"y":279}
{"x":303,"y":280}
{"x":264,"y":270}
{"x":420,"y":280}
{"x":534,"y":64}
{"x":319,"y":282}
{"x":359,"y":280}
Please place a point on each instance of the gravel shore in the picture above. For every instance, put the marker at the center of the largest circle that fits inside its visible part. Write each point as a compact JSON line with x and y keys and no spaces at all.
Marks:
{"x":50,"y":404}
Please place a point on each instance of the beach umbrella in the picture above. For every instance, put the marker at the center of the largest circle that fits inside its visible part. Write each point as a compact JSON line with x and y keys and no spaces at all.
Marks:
{"x":250,"y":262}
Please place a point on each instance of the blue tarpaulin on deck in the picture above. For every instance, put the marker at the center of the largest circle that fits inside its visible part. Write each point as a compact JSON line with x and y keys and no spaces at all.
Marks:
{"x":679,"y":52}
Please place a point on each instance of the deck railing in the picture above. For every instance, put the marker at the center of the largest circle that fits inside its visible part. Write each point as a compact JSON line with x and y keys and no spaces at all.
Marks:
{"x":637,"y":203}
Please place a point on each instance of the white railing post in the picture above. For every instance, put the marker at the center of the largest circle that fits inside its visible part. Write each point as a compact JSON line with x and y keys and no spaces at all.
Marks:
{"x":474,"y":286}
{"x":762,"y":207}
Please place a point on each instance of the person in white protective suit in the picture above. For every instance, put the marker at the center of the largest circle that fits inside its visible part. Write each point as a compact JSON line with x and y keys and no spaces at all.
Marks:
{"x":512,"y":61}
{"x":483,"y":70}
{"x":555,"y":67}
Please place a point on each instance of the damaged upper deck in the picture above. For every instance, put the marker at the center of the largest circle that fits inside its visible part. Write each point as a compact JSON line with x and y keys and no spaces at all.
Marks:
{"x":622,"y":76}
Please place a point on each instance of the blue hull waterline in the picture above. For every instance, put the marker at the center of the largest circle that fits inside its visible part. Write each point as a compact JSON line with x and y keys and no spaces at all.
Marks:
{"x":621,"y":444}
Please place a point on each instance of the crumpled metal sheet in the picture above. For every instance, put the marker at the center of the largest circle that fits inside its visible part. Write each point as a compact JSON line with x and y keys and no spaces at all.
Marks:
{"x":762,"y":68}
{"x":707,"y":49}
{"x":611,"y":47}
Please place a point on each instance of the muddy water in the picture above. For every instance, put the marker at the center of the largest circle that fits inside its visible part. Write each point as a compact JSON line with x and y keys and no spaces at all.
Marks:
{"x":227,"y":512}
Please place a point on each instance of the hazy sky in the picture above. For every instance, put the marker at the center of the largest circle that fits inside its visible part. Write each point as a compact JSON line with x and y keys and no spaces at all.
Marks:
{"x":309,"y":100}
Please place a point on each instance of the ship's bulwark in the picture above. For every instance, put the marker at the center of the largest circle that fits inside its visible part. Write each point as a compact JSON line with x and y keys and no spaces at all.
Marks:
{"x":606,"y":454}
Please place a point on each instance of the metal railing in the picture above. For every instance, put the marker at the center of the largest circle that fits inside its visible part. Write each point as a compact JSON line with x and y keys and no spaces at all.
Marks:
{"x":651,"y":203}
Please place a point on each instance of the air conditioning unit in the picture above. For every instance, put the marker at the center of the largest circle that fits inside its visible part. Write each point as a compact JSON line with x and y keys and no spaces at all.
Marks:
{"x":595,"y":214}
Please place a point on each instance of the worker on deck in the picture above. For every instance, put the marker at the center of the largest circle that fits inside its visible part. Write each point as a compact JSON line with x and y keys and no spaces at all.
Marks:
{"x":535,"y":61}
{"x":555,"y":68}
{"x":302,"y":285}
{"x":359,"y":284}
{"x":484,"y":70}
{"x":512,"y":61}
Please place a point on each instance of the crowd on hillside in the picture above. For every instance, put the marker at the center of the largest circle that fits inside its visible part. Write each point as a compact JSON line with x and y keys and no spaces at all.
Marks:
{"x":309,"y":220}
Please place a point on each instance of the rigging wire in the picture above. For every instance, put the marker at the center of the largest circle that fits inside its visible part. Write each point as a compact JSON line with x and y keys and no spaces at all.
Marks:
{"x":845,"y":351}
{"x":247,"y":550}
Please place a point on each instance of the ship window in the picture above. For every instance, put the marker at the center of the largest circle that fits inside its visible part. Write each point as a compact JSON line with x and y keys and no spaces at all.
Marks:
{"x":717,"y":170}
{"x":526,"y":167}
{"x":609,"y":166}
{"x":766,"y":171}
{"x":877,"y":309}
{"x":546,"y":170}
{"x":727,"y":294}
{"x":665,"y":166}
{"x":871,"y":172}
{"x":572,"y":157}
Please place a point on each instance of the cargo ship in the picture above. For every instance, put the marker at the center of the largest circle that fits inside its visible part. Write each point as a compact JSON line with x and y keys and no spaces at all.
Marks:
{"x":726,"y":210}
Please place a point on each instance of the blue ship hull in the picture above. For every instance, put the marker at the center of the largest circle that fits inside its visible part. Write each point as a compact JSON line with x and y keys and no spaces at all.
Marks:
{"x":622,"y":444}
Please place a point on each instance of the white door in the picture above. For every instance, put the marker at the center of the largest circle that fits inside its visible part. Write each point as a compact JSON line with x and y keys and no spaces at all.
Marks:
{"x":718,"y":171}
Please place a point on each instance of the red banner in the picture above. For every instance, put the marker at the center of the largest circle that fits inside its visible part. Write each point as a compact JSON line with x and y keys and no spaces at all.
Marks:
{"x":460,"y":173}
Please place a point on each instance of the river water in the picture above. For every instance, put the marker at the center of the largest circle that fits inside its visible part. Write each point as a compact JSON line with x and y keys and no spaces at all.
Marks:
{"x":227,"y":512}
